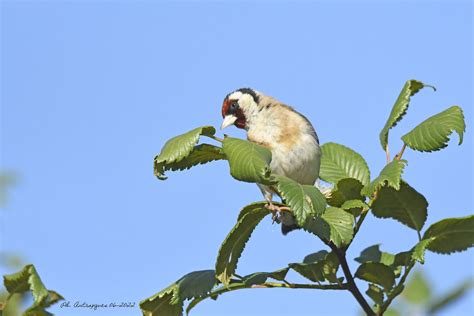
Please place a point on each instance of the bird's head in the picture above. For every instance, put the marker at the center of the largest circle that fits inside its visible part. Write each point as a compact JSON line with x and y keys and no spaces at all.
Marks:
{"x":239,"y":107}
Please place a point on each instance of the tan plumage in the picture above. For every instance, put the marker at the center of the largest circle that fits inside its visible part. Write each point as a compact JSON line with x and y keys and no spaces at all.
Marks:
{"x":288,"y":134}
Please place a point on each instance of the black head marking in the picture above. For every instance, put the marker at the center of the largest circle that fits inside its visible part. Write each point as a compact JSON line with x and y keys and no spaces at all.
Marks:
{"x":251,"y":92}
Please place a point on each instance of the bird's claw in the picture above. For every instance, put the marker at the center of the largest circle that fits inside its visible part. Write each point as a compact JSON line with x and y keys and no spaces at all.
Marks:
{"x":276,"y":211}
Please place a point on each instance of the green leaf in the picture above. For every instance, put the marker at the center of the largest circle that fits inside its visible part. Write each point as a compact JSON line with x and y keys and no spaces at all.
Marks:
{"x":373,"y":254}
{"x":334,"y":225}
{"x":194,"y":284}
{"x":433,"y":133}
{"x":341,"y":225}
{"x":345,"y":190}
{"x":403,"y":258}
{"x":330,"y":267}
{"x":39,"y":310}
{"x":447,"y":236}
{"x":451,"y":235}
{"x":311,"y":271}
{"x":405,"y":205}
{"x":355,"y":207}
{"x":261,"y":277}
{"x":234,"y":244}
{"x":53,"y":298}
{"x":215,"y":293}
{"x":340,"y":162}
{"x":201,"y":154}
{"x":376,"y":272}
{"x":418,"y":252}
{"x":178,"y":148}
{"x":417,"y":289}
{"x":315,"y":257}
{"x":303,"y":200}
{"x":450,"y":297}
{"x":400,"y":107}
{"x":318,"y":267}
{"x":28,"y":279}
{"x":389,"y":176}
{"x":375,"y":293}
{"x":248,"y":162}
{"x":36,"y":312}
{"x":170,"y":300}
{"x":160,"y":304}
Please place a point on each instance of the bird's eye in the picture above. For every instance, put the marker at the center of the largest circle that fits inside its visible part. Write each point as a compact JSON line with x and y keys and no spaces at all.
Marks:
{"x":234,"y":106}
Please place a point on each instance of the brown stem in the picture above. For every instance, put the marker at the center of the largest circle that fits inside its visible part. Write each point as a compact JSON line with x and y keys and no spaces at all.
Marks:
{"x":268,"y":285}
{"x":351,"y":286}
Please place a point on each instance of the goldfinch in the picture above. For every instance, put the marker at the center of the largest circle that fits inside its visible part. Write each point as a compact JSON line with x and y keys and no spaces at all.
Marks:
{"x":288,"y":134}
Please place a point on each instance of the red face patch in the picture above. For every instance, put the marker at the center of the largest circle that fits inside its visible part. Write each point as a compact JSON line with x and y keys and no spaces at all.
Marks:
{"x":236,"y":111}
{"x":225,"y":107}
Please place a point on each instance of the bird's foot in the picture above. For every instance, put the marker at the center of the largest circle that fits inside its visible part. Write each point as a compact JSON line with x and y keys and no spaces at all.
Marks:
{"x":276,"y":211}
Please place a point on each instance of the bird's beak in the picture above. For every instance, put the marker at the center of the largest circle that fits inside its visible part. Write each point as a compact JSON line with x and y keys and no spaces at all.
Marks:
{"x":228,"y":120}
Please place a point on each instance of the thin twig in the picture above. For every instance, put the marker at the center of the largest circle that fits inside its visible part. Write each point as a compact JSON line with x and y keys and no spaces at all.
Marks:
{"x":356,"y":228}
{"x":362,"y":218}
{"x":343,"y":286}
{"x":215,"y":138}
{"x":396,"y":290}
{"x":268,"y":285}
{"x":387,"y":153}
{"x":400,"y":154}
{"x":351,"y":286}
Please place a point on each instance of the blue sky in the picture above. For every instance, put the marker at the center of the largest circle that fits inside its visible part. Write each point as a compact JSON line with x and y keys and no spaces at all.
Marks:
{"x":92,"y":90}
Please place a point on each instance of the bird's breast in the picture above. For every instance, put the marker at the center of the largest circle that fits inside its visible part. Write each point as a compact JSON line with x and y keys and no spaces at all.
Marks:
{"x":300,"y":163}
{"x":292,"y":141}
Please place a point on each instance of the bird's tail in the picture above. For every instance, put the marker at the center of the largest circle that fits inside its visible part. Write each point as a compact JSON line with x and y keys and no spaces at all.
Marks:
{"x":285,"y":229}
{"x":288,"y":223}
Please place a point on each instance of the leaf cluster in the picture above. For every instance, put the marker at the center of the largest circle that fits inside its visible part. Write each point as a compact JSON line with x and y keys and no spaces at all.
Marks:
{"x":334,"y":218}
{"x":28,"y":280}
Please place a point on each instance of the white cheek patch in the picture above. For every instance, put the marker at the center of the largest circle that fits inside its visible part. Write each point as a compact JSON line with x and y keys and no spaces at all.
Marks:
{"x":248,"y":105}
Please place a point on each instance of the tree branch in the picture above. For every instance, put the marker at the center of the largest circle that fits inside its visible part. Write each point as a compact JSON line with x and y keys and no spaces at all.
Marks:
{"x":343,"y":286}
{"x":351,"y":286}
{"x":266,"y":285}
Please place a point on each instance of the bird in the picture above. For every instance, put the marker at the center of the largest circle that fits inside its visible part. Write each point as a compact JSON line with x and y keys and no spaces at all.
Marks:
{"x":288,"y":134}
